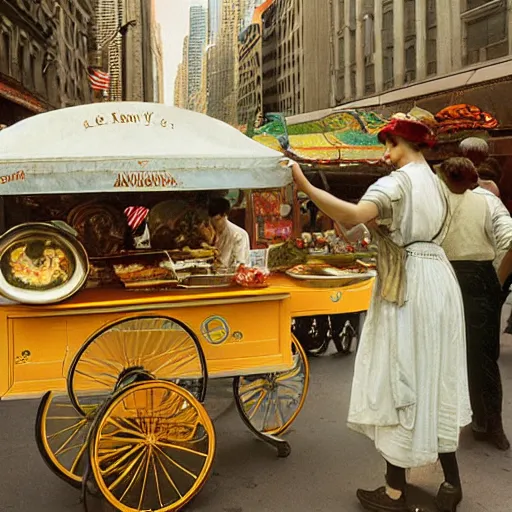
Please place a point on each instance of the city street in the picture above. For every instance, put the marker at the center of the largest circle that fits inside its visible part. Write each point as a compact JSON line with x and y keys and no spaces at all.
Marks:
{"x":327,"y":463}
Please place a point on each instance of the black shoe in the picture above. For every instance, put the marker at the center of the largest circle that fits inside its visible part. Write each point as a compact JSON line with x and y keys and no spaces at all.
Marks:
{"x":448,"y":498}
{"x":497,"y":439}
{"x":379,"y":501}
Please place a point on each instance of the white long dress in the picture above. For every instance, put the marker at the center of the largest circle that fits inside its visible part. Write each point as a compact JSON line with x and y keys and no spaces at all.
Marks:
{"x":410,"y":389}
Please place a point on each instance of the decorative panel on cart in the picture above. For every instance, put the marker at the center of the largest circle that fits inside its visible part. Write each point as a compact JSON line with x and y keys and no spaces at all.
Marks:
{"x":242,"y":335}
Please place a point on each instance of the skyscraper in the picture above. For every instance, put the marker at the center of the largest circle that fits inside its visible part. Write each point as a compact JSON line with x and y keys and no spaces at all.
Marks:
{"x":214,"y":17}
{"x":181,"y":83}
{"x":196,"y":46}
{"x":223,"y":82}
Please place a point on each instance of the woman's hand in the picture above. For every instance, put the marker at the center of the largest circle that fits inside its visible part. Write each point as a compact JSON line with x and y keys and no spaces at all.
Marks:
{"x":299,"y":178}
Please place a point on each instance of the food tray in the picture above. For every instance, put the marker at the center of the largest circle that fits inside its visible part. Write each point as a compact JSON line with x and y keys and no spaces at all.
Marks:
{"x":331,"y":281}
{"x":47,"y":236}
{"x":207,"y":281}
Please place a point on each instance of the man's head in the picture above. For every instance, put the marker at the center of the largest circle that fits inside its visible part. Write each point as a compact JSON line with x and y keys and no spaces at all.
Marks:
{"x":218,"y":210}
{"x":458,"y":173}
{"x":474,"y":148}
{"x":490,"y":170}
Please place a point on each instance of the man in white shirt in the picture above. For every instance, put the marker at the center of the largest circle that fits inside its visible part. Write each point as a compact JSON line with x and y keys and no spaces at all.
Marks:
{"x":232,"y":241}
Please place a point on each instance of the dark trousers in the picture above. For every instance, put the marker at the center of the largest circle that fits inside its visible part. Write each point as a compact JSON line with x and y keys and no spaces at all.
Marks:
{"x":396,"y":479}
{"x":483,"y":300}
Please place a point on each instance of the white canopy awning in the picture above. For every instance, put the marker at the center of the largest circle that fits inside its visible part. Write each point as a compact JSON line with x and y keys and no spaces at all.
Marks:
{"x":128,"y":147}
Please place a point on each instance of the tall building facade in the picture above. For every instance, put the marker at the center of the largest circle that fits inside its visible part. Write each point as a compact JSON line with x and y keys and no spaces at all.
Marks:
{"x":385,"y":45}
{"x":181,"y":82}
{"x":125,"y":44}
{"x":107,"y":44}
{"x":222,"y":65}
{"x":214,"y":17}
{"x":178,"y":88}
{"x":157,"y":57}
{"x":196,"y":45}
{"x":250,"y":68}
{"x":43,"y":56}
{"x":295,"y":56}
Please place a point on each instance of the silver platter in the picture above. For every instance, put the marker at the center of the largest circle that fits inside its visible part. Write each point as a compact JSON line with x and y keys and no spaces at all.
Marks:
{"x":59,"y":237}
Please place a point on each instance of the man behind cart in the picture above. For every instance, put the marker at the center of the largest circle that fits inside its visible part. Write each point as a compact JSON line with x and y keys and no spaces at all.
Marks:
{"x":231,"y":240}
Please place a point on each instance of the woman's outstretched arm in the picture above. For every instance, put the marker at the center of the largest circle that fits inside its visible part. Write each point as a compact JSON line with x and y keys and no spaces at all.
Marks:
{"x":341,"y":211}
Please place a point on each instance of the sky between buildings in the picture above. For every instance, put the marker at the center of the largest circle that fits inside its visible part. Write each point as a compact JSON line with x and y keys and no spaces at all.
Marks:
{"x":173,"y":16}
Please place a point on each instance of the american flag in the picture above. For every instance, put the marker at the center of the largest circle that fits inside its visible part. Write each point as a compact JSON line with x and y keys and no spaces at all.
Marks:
{"x":100,"y":81}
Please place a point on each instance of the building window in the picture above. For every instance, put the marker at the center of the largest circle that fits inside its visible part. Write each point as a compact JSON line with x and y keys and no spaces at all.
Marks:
{"x":410,"y":40}
{"x":369,"y":36}
{"x":431,"y":38}
{"x":369,"y":46}
{"x":387,"y":43}
{"x":485,"y":27}
{"x":352,"y":45}
{"x":5,"y":54}
{"x":32,"y":70}
{"x":353,"y":79}
{"x":341,"y":14}
{"x":369,"y":79}
{"x":340,"y":76}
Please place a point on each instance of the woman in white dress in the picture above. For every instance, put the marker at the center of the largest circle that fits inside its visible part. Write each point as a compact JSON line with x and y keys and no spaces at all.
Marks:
{"x":410,"y":389}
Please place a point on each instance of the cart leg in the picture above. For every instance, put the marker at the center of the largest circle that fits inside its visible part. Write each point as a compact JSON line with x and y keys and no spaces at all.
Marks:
{"x":281,"y":445}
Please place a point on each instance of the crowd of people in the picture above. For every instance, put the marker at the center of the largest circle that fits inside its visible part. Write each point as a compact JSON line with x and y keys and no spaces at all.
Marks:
{"x":427,"y":363}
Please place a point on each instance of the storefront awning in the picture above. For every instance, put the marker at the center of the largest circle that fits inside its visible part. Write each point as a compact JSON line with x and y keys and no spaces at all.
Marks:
{"x":27,"y":101}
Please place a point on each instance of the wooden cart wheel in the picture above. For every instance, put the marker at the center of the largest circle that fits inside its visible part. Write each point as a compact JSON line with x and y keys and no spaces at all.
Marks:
{"x":61,"y":435}
{"x":152,"y":448}
{"x":161,"y":347}
{"x":271,"y":402}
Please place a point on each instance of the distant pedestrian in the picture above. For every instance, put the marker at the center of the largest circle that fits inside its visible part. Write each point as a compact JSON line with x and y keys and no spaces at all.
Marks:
{"x":489,"y":172}
{"x":471,"y":248}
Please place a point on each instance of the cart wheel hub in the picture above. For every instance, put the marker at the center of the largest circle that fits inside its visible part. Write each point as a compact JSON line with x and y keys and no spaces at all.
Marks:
{"x":133,"y":374}
{"x":151,"y":439}
{"x":271,"y":383}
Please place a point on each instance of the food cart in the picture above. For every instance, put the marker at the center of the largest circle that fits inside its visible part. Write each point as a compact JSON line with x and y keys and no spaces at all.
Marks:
{"x":125,"y":367}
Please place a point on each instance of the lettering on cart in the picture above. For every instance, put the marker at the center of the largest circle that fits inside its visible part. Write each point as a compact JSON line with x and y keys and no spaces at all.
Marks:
{"x":16,"y":176}
{"x":145,"y":179}
{"x":145,"y":119}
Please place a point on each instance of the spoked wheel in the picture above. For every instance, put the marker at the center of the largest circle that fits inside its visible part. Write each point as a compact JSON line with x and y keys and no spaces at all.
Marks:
{"x":161,"y":347}
{"x":270,"y":403}
{"x":152,"y":448}
{"x":61,"y":435}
